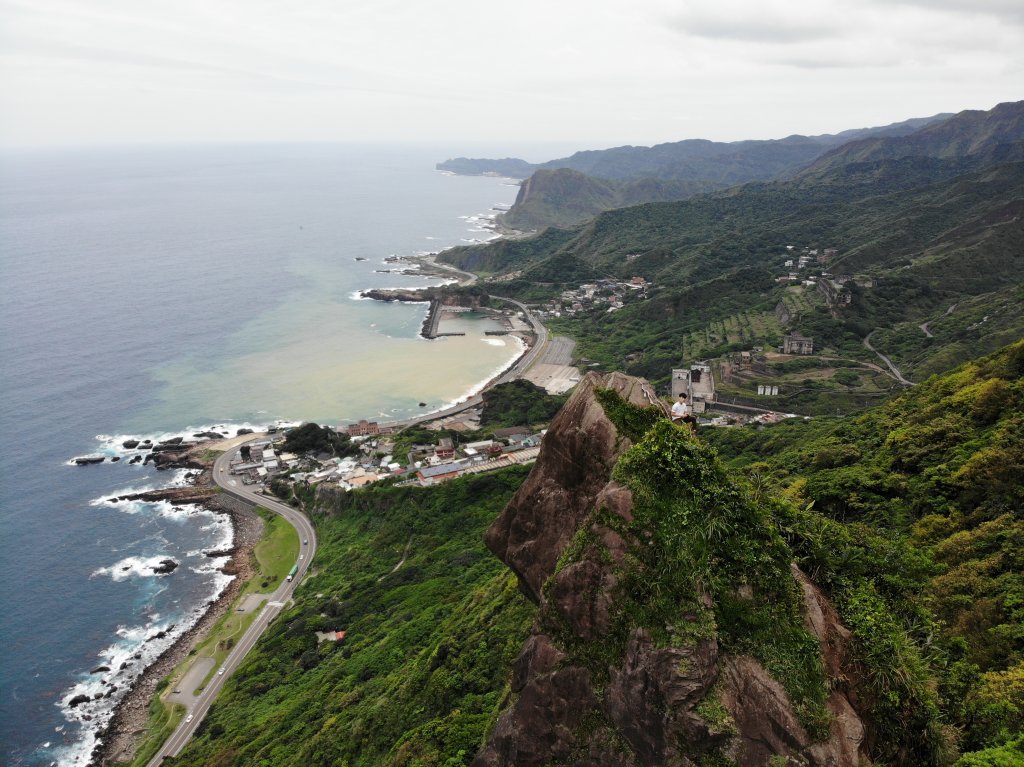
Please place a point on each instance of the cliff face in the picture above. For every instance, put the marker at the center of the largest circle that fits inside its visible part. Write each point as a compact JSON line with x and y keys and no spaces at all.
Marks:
{"x":666,"y":594}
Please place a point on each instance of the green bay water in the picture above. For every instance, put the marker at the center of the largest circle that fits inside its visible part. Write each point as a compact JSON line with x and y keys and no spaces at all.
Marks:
{"x":153,"y":292}
{"x":318,"y":357}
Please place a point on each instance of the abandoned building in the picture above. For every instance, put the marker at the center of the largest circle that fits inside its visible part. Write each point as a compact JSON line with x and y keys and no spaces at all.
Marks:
{"x":697,"y":383}
{"x":797,"y":344}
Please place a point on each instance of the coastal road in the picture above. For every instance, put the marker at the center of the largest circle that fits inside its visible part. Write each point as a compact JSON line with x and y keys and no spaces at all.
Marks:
{"x":276,"y":601}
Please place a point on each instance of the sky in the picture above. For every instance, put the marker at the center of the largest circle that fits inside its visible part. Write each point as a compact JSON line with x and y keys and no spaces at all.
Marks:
{"x":505,"y":76}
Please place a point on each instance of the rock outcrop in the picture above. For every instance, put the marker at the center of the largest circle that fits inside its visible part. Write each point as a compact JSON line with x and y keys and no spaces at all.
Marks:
{"x":164,"y":567}
{"x":574,"y":466}
{"x":617,"y":674}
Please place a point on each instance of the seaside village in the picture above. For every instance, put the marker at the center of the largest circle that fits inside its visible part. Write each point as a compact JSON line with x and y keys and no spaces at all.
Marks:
{"x":427,"y":463}
{"x":422,"y":464}
{"x":377,"y":452}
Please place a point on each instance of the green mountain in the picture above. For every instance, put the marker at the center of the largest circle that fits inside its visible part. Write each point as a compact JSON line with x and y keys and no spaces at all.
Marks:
{"x":511,"y":167}
{"x":967,"y":133}
{"x":820,"y":592}
{"x":432,"y":625}
{"x":573,"y":189}
{"x":941,"y":468}
{"x":926,"y":232}
{"x":562,"y":197}
{"x":692,"y":159}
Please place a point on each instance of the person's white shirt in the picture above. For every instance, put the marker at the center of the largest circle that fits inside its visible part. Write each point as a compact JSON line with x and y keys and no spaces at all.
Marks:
{"x":679,"y":410}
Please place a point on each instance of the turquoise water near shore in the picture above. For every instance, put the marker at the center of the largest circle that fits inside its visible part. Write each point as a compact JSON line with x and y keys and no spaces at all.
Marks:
{"x":157,"y":292}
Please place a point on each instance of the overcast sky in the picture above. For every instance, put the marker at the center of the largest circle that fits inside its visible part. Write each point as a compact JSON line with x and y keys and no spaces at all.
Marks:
{"x":586,"y":73}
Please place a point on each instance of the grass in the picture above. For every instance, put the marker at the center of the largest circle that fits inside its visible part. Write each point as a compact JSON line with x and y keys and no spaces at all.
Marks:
{"x":275,"y":554}
{"x":273,"y":557}
{"x":222,"y":639}
{"x":163,"y":719}
{"x":752,"y":328}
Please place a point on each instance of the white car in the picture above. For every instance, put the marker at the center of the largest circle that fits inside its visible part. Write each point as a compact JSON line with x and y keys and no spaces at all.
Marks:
{"x":221,"y":672}
{"x":188,"y":718}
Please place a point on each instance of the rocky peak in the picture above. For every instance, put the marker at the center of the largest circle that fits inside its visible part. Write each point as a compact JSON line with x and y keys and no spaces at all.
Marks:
{"x":575,"y":464}
{"x":667,"y":600}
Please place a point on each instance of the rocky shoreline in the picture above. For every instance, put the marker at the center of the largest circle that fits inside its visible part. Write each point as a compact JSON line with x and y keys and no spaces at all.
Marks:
{"x":122,"y":736}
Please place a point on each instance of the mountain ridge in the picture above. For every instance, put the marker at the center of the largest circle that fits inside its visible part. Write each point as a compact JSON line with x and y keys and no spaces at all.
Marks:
{"x":572,"y":189}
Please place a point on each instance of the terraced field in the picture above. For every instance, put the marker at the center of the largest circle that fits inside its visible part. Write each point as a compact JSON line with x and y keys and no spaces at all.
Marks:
{"x":748,"y":328}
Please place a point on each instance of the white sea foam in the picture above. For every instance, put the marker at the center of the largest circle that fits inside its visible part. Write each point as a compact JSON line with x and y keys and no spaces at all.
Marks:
{"x":140,"y":567}
{"x":494,"y":342}
{"x":113,"y":444}
{"x":142,"y":640}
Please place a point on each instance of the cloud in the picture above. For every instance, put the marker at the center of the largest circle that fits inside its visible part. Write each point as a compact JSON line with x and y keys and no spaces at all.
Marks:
{"x":832,"y":62}
{"x":1007,"y":11}
{"x":760,"y":24}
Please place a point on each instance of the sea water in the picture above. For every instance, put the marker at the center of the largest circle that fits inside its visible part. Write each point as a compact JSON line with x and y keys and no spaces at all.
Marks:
{"x":160,"y":292}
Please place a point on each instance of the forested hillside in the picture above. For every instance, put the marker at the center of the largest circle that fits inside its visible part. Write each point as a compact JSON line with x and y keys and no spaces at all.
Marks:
{"x":940,"y":468}
{"x":829,"y":591}
{"x":927,"y":232}
{"x":573,"y":189}
{"x":432,"y":622}
{"x":657,"y":566}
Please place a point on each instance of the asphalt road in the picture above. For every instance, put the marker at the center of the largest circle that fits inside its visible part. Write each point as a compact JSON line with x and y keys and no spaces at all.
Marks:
{"x":895,"y":370}
{"x":275,"y":601}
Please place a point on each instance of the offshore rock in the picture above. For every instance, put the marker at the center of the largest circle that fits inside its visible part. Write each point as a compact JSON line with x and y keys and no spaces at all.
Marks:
{"x":165,"y":567}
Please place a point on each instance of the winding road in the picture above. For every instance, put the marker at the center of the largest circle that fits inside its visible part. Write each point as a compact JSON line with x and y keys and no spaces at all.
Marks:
{"x":276,"y":601}
{"x":895,"y":370}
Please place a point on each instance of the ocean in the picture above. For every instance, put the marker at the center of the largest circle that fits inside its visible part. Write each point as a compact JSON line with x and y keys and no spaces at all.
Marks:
{"x":157,"y":292}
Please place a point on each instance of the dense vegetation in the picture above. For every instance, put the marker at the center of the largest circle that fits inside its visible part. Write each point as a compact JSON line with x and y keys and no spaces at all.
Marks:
{"x":519,"y":403}
{"x":432,"y":623}
{"x":939,"y":472}
{"x":699,"y":531}
{"x":312,"y":438}
{"x":908,"y":516}
{"x":563,"y":197}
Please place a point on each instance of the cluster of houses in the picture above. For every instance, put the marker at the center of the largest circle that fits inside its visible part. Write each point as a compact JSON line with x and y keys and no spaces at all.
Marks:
{"x":603,"y":293}
{"x":259,"y":461}
{"x":799,"y":266}
{"x":428,"y":464}
{"x":832,"y":287}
